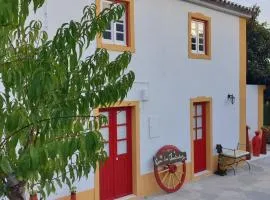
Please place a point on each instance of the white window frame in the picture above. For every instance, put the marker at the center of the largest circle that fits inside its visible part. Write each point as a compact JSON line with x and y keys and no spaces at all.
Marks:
{"x":113,"y":30}
{"x":197,"y":23}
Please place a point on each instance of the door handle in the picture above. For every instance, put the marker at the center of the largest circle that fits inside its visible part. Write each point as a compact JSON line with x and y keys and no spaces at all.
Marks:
{"x":116,"y":158}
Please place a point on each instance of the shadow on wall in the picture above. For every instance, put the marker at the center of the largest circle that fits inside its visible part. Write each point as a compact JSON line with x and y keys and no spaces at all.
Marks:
{"x":266,"y":107}
{"x":266,"y":117}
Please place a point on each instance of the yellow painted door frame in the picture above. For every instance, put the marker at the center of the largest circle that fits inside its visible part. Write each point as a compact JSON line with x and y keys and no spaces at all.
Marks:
{"x":209,"y":137}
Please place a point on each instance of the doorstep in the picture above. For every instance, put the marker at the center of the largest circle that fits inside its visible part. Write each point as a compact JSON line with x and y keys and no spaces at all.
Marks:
{"x":201,"y":174}
{"x":128,"y":197}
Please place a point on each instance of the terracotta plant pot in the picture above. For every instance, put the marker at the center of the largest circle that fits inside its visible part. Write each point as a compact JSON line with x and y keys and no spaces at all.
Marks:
{"x":33,"y":197}
{"x":256,"y":144}
{"x":73,"y":196}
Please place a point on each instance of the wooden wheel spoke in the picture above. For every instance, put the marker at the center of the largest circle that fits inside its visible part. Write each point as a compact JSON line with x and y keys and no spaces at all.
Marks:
{"x":173,"y":181}
{"x":167,"y":180}
{"x":179,"y":172}
{"x":165,"y":177}
{"x":180,"y":175}
{"x":170,"y":180}
{"x":177,"y":178}
{"x":165,"y":170}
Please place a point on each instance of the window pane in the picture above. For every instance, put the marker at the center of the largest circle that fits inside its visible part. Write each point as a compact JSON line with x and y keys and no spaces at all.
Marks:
{"x":107,"y":35}
{"x":193,"y":47}
{"x":198,"y":36}
{"x":194,"y":110}
{"x":121,"y":132}
{"x":109,"y":27}
{"x":194,"y":134}
{"x":107,"y":149}
{"x":201,"y":48}
{"x":199,"y":134}
{"x":121,"y":117}
{"x":200,"y":26}
{"x":193,"y":33}
{"x":120,"y":27}
{"x":105,"y":133}
{"x":199,"y":109}
{"x":120,"y":36}
{"x":122,"y":19}
{"x":199,"y":122}
{"x":201,"y":41}
{"x":121,"y":147}
{"x":193,"y":25}
{"x":194,"y":122}
{"x":201,"y":35}
{"x":124,"y":14}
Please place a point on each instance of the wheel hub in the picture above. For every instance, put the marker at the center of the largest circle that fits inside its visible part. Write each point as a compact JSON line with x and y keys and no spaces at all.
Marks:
{"x":172,"y":168}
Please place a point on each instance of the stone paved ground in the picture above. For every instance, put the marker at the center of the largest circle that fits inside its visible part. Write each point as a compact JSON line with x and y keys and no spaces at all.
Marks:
{"x":244,"y":186}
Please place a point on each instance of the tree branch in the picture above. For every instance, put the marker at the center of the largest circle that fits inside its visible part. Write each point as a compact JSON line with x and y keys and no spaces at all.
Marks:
{"x":41,"y":121}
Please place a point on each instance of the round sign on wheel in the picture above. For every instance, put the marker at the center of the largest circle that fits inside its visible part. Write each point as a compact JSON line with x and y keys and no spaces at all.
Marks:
{"x":170,"y":168}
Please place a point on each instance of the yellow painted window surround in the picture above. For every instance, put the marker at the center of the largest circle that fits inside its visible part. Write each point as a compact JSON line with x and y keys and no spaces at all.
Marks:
{"x":130,"y":46}
{"x":200,"y":19}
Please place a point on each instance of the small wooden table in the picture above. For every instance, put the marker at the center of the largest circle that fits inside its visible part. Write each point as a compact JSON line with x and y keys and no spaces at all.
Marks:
{"x":236,"y":156}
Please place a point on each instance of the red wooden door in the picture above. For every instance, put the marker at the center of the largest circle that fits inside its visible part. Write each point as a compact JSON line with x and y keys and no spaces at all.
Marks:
{"x":116,"y":173}
{"x":199,"y":136}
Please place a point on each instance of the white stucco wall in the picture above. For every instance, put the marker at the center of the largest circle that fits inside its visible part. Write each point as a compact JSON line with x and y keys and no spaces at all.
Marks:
{"x":174,"y":78}
{"x":169,"y":77}
{"x":252,"y":109}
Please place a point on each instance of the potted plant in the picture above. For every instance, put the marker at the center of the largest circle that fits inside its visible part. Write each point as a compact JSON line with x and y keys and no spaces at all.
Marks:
{"x":73,"y":193}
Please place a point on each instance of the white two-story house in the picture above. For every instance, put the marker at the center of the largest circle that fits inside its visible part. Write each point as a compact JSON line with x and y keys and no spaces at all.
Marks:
{"x":189,"y":58}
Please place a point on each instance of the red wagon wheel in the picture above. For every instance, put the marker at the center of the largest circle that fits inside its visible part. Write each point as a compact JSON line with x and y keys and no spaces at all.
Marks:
{"x":170,"y":173}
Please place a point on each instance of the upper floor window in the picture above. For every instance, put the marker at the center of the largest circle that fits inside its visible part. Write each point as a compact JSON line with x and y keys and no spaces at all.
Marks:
{"x":119,"y":35}
{"x":199,"y":36}
{"x":116,"y":31}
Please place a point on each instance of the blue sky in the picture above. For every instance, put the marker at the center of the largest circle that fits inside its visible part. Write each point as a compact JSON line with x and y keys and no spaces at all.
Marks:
{"x":264,"y":5}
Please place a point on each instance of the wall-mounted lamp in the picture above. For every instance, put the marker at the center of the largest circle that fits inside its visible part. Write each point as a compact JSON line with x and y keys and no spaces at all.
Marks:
{"x":231,"y":98}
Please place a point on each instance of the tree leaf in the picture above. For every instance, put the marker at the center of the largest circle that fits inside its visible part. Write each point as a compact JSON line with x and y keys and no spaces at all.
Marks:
{"x":34,"y":155}
{"x":5,"y":165}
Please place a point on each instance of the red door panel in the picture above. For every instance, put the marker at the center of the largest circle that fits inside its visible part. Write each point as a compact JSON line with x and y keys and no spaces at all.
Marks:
{"x":116,"y":174}
{"x":123,"y":154}
{"x":199,"y":137}
{"x":106,"y":177}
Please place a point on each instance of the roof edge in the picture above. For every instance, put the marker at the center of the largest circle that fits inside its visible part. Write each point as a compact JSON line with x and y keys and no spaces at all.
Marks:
{"x":225,"y":7}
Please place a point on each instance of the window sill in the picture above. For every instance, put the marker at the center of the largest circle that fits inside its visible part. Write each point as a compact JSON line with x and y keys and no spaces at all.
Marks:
{"x":115,"y":47}
{"x":199,"y":56}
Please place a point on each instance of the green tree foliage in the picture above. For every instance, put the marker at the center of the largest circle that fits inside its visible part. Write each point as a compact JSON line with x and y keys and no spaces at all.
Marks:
{"x":258,"y":53}
{"x":14,"y":12}
{"x":48,"y":130}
